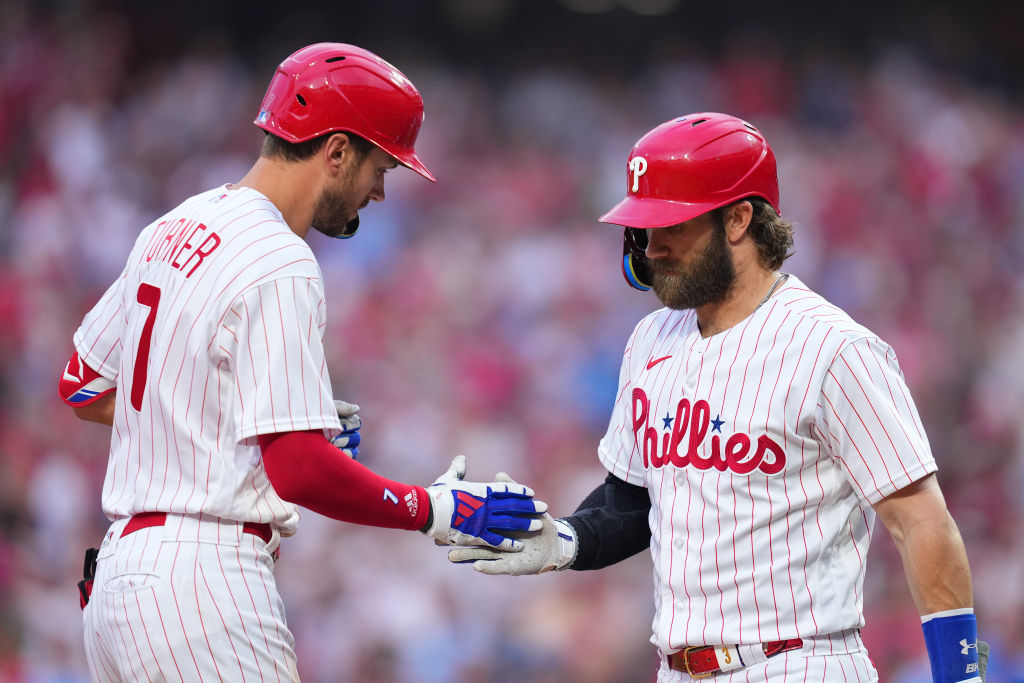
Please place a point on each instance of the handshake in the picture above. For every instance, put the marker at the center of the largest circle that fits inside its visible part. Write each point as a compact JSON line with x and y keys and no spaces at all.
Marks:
{"x":500,"y":527}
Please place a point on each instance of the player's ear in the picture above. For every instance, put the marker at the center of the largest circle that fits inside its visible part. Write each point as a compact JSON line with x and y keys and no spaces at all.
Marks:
{"x":737,"y":219}
{"x":337,"y":151}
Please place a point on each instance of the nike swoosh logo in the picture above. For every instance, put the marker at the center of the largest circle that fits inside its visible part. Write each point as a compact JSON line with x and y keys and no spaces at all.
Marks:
{"x":654,"y":361}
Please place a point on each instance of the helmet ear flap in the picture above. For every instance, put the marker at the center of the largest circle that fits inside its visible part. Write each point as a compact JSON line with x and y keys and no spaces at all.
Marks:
{"x":635,"y":266}
{"x":350,"y":229}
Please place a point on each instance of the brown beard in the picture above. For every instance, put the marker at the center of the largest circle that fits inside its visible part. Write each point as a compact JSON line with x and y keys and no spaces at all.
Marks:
{"x":333,"y":213}
{"x":707,"y":280}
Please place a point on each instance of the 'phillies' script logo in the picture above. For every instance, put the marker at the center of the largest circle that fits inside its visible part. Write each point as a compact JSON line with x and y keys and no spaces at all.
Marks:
{"x":691,"y":424}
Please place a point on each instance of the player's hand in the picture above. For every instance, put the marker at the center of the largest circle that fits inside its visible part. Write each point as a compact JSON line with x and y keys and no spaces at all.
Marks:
{"x":348,"y":441}
{"x":553,"y":548}
{"x":477,"y":513}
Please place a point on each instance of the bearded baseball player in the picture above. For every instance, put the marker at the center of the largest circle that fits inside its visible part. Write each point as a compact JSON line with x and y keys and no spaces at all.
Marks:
{"x":206,"y":356}
{"x":757,"y":432}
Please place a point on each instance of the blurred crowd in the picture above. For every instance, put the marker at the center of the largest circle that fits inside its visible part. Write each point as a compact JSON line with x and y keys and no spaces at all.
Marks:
{"x":486,"y":315}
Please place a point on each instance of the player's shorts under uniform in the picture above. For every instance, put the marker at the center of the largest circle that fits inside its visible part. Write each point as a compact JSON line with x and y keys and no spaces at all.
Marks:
{"x":763,"y":448}
{"x":213,"y":334}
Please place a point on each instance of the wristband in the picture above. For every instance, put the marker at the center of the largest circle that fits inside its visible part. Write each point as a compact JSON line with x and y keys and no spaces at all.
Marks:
{"x":952,"y":641}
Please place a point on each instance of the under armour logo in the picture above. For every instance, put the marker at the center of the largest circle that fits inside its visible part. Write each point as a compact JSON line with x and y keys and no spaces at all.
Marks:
{"x":965,"y":646}
{"x":638,"y":165}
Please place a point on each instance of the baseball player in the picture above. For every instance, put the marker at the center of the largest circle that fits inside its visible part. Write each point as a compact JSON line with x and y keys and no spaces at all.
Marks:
{"x":757,"y":432}
{"x":206,"y":356}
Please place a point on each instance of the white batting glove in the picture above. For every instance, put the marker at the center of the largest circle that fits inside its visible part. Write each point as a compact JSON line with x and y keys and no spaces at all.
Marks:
{"x":553,"y":548}
{"x":348,"y":441}
{"x":476,"y":513}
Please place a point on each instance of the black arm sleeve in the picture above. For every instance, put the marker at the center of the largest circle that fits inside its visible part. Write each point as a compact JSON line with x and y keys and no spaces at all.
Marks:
{"x":611,"y":524}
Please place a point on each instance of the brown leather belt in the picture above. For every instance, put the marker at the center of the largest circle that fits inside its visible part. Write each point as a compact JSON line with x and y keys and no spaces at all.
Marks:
{"x":148,"y":519}
{"x":701,"y":661}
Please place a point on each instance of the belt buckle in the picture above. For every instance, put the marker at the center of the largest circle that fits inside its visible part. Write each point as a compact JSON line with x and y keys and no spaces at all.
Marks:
{"x":686,"y":662}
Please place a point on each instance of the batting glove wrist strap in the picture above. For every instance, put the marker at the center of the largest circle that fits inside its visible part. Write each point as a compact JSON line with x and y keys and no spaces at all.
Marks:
{"x":952,"y":641}
{"x":567,"y":544}
{"x":475,"y":513}
{"x":553,"y":548}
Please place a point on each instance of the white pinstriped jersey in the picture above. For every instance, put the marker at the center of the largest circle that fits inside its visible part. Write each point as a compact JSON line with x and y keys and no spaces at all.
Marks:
{"x":213,"y":333}
{"x":762,"y":448}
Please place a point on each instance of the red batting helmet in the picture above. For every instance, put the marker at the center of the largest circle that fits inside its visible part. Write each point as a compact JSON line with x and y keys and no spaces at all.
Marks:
{"x":686,"y":167}
{"x":331,"y":87}
{"x":691,"y":165}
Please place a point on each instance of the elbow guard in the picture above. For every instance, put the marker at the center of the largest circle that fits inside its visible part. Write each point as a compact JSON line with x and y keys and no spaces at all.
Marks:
{"x":611,"y":524}
{"x":80,"y":385}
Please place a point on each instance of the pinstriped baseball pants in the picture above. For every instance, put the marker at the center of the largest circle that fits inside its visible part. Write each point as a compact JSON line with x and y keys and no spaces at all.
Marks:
{"x":190,"y":601}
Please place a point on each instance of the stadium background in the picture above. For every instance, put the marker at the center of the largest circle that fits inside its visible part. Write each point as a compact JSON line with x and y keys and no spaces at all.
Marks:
{"x":486,"y":315}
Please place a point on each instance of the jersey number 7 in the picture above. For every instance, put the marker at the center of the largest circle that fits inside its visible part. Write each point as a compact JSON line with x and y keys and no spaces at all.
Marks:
{"x":148,"y":296}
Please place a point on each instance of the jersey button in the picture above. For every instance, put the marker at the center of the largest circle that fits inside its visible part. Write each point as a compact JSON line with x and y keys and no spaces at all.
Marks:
{"x":678,"y":543}
{"x":679,"y":607}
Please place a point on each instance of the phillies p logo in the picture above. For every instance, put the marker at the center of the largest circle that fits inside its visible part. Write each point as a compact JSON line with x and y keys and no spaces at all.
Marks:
{"x":637,"y":166}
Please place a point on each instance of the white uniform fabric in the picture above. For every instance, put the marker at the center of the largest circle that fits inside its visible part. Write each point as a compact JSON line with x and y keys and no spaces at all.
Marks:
{"x":762,"y":448}
{"x":165,"y":607}
{"x":213,"y":334}
{"x":235,"y":350}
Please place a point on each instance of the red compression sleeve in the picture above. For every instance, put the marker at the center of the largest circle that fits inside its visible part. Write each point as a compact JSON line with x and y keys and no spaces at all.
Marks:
{"x":305,"y":469}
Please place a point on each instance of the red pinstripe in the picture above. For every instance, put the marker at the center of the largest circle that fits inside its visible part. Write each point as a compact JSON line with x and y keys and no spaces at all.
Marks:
{"x":665,"y":472}
{"x":843,"y":461}
{"x":256,"y":610}
{"x":284,"y":344}
{"x":101,"y":657}
{"x":270,"y":602}
{"x":149,"y":642}
{"x":302,"y":369}
{"x":264,"y":278}
{"x":903,"y":395}
{"x":135,"y":643}
{"x":124,"y":642}
{"x":860,"y":418}
{"x":88,"y":355}
{"x":174,"y":332}
{"x":198,"y":573}
{"x":718,"y":517}
{"x":875,"y":413}
{"x":181,"y":620}
{"x":167,"y":639}
{"x":241,"y":618}
{"x":270,"y":378}
{"x":660,"y":371}
{"x":685,"y":322}
{"x":803,"y":403}
{"x":918,"y":428}
{"x":649,"y":320}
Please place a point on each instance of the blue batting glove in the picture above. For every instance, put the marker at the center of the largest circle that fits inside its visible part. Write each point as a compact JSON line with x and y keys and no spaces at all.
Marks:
{"x":348,"y":441}
{"x":476,"y":513}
